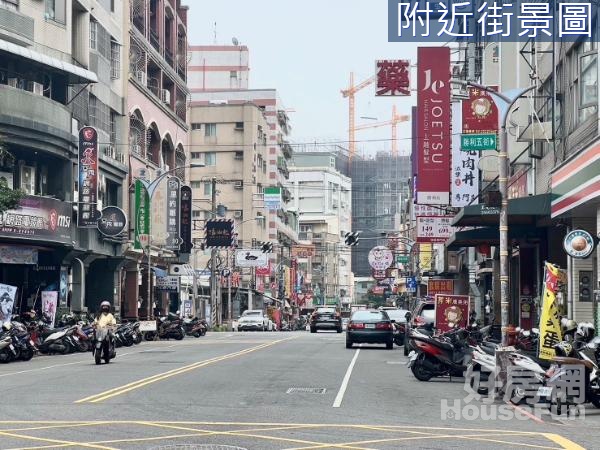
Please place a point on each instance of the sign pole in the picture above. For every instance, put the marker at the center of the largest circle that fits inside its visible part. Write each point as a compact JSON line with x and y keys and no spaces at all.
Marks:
{"x":213,"y":258}
{"x":229,"y":305}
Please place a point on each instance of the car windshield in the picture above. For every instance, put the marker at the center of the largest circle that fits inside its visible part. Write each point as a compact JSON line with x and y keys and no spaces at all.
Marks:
{"x":252,"y":313}
{"x":399,"y":315}
{"x":369,"y":315}
{"x":428,"y":312}
{"x":326,"y":310}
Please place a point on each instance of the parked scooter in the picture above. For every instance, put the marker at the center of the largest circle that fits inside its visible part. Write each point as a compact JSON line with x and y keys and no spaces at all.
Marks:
{"x":169,"y":327}
{"x":194,"y":326}
{"x":59,"y":341}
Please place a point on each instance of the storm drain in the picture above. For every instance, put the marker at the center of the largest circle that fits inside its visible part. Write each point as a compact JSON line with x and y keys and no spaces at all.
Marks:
{"x":306,"y":390}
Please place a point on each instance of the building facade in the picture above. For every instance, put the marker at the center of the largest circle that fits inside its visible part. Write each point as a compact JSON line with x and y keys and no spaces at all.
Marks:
{"x":60,"y":70}
{"x":219,"y":67}
{"x":157,"y":97}
{"x":322,"y":196}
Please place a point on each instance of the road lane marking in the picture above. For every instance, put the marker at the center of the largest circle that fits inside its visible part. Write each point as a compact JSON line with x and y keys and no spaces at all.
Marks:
{"x":164,"y":375}
{"x":563,"y":442}
{"x":55,"y":441}
{"x":340,"y":395}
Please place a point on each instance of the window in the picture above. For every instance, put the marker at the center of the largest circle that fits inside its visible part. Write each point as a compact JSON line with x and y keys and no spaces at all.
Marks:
{"x":196,"y":155}
{"x":208,"y":188}
{"x":583,"y":92}
{"x":113,"y":127}
{"x":93,"y":34}
{"x":56,"y":10}
{"x":13,"y":5}
{"x":196,"y":126}
{"x":332,"y":161}
{"x":115,"y":60}
{"x":210,"y":159}
{"x":196,"y":184}
{"x":239,"y":126}
{"x":196,"y":213}
{"x":233,"y":75}
{"x":210,"y":129}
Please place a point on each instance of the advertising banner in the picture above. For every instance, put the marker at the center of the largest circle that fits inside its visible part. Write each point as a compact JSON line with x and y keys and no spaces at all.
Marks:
{"x":272,"y":198}
{"x":7,"y":302}
{"x":550,"y":331}
{"x":434,"y":229}
{"x":158,"y":216}
{"x":49,"y":304}
{"x":64,"y":285}
{"x":173,"y":213}
{"x":251,"y":258}
{"x":87,"y":216}
{"x":465,"y":166}
{"x":38,"y":218}
{"x":264,"y":271}
{"x":219,"y":233}
{"x":425,"y":256}
{"x":112,"y":222}
{"x":169,"y":283}
{"x":517,"y":184}
{"x":142,"y":215}
{"x":479,"y":113}
{"x":451,"y":312}
{"x":380,"y":258}
{"x":435,"y":287}
{"x":433,"y":134}
{"x":185,"y":232}
{"x":18,"y":255}
{"x":187,"y":308}
{"x":303,"y":251}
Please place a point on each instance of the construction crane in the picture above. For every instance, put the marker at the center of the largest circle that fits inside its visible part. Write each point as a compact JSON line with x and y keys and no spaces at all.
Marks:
{"x":396,"y":119}
{"x":349,"y":93}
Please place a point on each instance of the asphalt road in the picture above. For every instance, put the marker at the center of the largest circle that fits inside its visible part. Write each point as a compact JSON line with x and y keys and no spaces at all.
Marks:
{"x":258,"y":391}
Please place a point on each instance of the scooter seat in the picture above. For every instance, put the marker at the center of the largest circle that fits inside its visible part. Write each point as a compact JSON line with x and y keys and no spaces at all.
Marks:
{"x":564,"y":360}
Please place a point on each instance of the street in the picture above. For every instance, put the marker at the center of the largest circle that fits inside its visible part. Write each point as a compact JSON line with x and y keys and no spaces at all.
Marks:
{"x":254,"y":391}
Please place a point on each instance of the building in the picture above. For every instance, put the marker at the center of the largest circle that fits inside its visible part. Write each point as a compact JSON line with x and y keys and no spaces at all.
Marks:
{"x":380,"y":189}
{"x":157,"y":96}
{"x":219,"y":67}
{"x":60,"y":70}
{"x":322,"y":196}
{"x":230,"y":141}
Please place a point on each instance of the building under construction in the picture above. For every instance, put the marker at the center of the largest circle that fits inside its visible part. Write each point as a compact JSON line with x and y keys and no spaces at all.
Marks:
{"x":380,"y":190}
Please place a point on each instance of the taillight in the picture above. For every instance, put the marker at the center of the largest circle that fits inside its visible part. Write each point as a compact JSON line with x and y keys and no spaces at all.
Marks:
{"x":384,"y":326}
{"x":355,"y":326}
{"x":419,"y":321}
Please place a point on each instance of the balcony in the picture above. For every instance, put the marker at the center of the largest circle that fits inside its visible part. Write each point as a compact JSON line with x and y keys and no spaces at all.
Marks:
{"x":154,"y":40}
{"x":286,"y":149}
{"x":169,"y":58}
{"x":24,"y":110}
{"x":16,"y":27}
{"x":282,"y":167}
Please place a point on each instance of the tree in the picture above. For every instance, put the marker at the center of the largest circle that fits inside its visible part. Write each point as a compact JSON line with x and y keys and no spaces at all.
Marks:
{"x":9,"y":198}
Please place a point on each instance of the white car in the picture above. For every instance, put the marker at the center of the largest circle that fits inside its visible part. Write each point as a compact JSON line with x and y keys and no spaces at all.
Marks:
{"x":253,"y":320}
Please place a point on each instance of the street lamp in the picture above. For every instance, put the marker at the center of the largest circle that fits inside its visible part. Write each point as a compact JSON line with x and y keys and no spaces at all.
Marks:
{"x":508,"y":99}
{"x":151,"y":187}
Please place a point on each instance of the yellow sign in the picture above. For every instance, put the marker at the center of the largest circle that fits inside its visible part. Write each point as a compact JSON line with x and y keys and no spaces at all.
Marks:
{"x":425,"y":257}
{"x":550,"y":332}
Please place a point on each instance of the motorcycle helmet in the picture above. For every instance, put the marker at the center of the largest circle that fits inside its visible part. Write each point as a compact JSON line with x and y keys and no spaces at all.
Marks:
{"x":563,"y":349}
{"x":105,"y":306}
{"x":585,"y":331}
{"x":568,"y":325}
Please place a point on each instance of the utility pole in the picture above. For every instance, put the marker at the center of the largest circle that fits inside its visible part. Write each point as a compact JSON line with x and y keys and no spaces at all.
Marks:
{"x":195,"y":282}
{"x":229,"y":305}
{"x":281,"y":281}
{"x":213,"y":258}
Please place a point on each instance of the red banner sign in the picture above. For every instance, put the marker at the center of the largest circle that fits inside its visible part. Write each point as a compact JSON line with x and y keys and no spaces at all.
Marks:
{"x":433,"y":131}
{"x":451,"y":312}
{"x":479,"y":113}
{"x":435,"y":287}
{"x":393,"y":78}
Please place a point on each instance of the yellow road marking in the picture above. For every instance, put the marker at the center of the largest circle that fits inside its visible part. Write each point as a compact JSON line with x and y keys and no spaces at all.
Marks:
{"x":563,"y":442}
{"x":164,"y":375}
{"x":54,"y":441}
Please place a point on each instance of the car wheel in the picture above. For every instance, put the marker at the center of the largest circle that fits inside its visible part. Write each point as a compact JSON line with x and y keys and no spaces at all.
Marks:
{"x":339,"y":330}
{"x":313,"y":329}
{"x":389,"y":345}
{"x":348,"y":343}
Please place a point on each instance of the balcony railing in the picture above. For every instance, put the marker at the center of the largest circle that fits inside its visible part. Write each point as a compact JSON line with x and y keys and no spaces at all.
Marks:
{"x":169,"y":57}
{"x":154,"y":40}
{"x":16,"y":26}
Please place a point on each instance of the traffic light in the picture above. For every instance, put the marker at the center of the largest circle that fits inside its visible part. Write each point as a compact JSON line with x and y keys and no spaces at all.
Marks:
{"x":267,"y":247}
{"x":351,"y":238}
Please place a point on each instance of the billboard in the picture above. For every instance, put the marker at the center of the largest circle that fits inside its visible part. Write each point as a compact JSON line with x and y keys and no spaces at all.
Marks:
{"x":433,"y":132}
{"x":465,"y":165}
{"x":479,"y":112}
{"x":142,"y":216}
{"x":219,"y":233}
{"x":303,"y":251}
{"x":185,"y":232}
{"x":251,"y":258}
{"x":87,"y":216}
{"x":173,"y":212}
{"x":451,"y":312}
{"x":272,"y":198}
{"x":435,"y":287}
{"x":434,"y":229}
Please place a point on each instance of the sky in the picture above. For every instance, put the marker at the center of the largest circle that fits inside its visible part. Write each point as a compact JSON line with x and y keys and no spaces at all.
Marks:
{"x":306,"y":50}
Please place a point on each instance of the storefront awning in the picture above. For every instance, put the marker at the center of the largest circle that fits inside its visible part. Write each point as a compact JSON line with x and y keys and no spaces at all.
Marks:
{"x":75,"y":74}
{"x":490,"y":236}
{"x":159,"y":272}
{"x":521,"y":211}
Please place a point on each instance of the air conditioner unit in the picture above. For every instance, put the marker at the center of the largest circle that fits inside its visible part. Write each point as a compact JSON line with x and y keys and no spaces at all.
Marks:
{"x":140,"y":75}
{"x":239,"y":155}
{"x":37,"y":88}
{"x":238,"y":214}
{"x":239,"y":185}
{"x":165,"y":96}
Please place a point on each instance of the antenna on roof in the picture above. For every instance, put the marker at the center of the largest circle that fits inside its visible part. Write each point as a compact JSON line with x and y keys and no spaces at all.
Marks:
{"x":215,"y":35}
{"x":235,"y":41}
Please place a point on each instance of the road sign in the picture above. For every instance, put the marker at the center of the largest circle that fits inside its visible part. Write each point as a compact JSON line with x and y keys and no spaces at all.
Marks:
{"x":476,"y":142}
{"x":225,"y":273}
{"x":402,"y":259}
{"x":411,"y":284}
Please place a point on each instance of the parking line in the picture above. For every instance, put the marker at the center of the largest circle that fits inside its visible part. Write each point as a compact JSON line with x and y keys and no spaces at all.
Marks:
{"x":340,"y":395}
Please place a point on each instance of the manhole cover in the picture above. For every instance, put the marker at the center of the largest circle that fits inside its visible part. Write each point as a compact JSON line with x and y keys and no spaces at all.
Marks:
{"x":306,"y":390}
{"x":198,"y":447}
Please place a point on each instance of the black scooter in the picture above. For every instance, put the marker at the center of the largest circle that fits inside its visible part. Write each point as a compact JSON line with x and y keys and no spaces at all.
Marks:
{"x":104,"y":345}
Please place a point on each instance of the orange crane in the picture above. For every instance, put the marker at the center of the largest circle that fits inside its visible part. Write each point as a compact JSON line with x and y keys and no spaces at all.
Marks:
{"x":349,"y":93}
{"x":396,"y":119}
